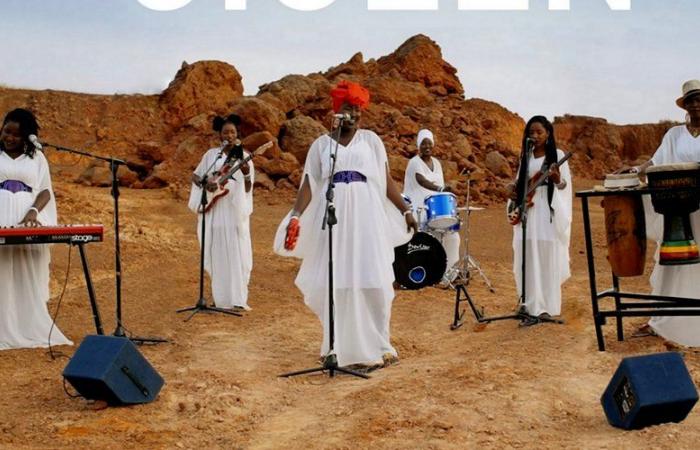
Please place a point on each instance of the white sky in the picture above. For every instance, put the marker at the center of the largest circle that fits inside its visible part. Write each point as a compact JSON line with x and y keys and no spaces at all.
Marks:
{"x":626,"y":66}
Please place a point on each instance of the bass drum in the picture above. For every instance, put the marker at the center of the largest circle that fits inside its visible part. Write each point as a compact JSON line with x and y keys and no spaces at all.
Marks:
{"x":420,"y":262}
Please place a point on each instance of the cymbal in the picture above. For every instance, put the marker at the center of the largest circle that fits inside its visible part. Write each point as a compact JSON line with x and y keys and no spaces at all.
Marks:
{"x":471,"y":208}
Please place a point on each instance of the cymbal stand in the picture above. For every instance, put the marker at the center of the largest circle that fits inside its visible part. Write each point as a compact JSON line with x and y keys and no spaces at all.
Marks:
{"x":463,"y":269}
{"x":467,"y":262}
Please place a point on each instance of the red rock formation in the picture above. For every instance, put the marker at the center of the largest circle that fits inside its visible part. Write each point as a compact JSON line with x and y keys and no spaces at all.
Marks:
{"x":200,"y":88}
{"x":163,"y":137}
{"x":600,"y":147}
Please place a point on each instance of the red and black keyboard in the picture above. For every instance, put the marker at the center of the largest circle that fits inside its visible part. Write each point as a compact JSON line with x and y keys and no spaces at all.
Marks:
{"x":60,"y":234}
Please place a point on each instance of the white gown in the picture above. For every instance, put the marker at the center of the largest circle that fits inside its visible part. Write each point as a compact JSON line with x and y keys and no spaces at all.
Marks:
{"x":547,"y":245}
{"x":368,"y":229}
{"x":678,"y":146}
{"x":24,"y":269}
{"x":228,"y":255}
{"x":418,"y":194}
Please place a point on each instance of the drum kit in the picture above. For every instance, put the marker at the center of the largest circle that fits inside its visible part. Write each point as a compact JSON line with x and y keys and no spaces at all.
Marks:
{"x":422,"y":261}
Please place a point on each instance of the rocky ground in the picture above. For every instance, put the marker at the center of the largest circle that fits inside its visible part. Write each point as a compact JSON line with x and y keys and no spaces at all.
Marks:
{"x":493,"y":386}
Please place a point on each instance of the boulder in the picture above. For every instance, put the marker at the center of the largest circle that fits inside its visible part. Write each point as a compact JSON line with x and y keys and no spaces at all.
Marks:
{"x":498,"y":165}
{"x":280,"y":167}
{"x":257,"y":115}
{"x":298,"y":134}
{"x":419,"y":59}
{"x":263,"y":181}
{"x":199,"y":88}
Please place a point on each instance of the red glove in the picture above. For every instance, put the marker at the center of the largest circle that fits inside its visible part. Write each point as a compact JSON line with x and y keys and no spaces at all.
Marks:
{"x":290,"y":241}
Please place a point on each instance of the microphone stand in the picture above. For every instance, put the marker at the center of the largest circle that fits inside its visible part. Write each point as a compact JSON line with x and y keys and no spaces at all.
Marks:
{"x":460,"y":288}
{"x":201,"y":305}
{"x":114,"y":167}
{"x":330,"y":361}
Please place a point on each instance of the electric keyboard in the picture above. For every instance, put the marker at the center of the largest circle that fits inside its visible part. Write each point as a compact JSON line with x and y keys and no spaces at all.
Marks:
{"x":60,"y":234}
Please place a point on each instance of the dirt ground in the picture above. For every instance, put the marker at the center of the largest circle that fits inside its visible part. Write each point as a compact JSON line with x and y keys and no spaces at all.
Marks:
{"x":498,"y":386}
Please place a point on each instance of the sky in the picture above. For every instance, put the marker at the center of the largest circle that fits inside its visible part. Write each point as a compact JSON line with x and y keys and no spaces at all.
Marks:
{"x":626,"y":66}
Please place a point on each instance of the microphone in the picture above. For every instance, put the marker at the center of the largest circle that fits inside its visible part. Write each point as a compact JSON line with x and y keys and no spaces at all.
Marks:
{"x":346,"y":117}
{"x":529,"y":143}
{"x":35,"y":141}
{"x":244,"y":159}
{"x":236,"y":151}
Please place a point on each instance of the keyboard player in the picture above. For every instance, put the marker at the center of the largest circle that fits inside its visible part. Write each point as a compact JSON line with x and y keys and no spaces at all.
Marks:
{"x":26,"y":199}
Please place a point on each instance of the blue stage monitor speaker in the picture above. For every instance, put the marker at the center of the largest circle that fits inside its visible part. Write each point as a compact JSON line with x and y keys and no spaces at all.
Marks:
{"x":649,"y":390}
{"x":112,"y":369}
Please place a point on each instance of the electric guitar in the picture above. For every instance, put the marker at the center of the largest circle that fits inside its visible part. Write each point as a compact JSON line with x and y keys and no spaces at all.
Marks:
{"x":513,"y":209}
{"x":221,"y":177}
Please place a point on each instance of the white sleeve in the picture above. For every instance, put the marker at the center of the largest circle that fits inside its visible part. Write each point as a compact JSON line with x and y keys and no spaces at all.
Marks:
{"x":664,"y":154}
{"x":196,"y":192}
{"x":48,"y":214}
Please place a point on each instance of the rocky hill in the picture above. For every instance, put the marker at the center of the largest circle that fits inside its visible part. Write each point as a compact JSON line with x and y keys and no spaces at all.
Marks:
{"x":163,"y":136}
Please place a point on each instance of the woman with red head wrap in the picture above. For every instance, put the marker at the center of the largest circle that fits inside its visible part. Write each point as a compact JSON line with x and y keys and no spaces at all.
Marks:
{"x":368,"y":208}
{"x":349,"y":92}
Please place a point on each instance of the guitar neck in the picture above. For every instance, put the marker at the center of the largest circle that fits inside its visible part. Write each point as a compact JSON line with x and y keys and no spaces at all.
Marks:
{"x":539,"y":178}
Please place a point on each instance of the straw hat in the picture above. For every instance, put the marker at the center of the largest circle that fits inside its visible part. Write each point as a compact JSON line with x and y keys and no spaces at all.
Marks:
{"x":691,"y":87}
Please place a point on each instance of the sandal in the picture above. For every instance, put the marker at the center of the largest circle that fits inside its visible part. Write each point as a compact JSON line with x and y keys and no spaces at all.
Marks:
{"x":389,"y":359}
{"x":644,"y":331}
{"x":529,"y":321}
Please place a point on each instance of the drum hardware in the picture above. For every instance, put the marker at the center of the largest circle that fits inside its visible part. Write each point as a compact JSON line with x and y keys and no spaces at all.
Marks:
{"x":462,"y":270}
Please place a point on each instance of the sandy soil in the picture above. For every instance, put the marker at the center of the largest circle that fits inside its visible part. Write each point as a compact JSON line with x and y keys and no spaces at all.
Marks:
{"x":495,"y":386}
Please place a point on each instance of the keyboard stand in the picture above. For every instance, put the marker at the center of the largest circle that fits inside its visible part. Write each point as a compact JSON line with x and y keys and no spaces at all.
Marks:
{"x":90,"y":289}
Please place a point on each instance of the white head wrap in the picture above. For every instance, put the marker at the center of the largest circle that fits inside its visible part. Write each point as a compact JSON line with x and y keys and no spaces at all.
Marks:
{"x":425,"y":134}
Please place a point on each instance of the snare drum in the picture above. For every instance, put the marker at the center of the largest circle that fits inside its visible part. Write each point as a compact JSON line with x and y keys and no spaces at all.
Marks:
{"x":441,"y":211}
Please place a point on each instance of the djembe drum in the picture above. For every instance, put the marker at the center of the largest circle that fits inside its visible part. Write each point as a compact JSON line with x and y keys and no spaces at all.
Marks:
{"x":670,"y":198}
{"x":625,"y":227}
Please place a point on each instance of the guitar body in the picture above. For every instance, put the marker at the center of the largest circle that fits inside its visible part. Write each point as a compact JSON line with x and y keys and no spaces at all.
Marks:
{"x":513,"y":209}
{"x":226,"y":173}
{"x":513,"y":212}
{"x":213,"y":197}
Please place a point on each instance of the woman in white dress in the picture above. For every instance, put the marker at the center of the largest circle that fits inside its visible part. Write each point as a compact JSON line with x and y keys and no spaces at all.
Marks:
{"x":424,"y":178}
{"x":681,"y":144}
{"x":368,"y":208}
{"x":228,"y":253}
{"x":26,"y":199}
{"x":548,"y":224}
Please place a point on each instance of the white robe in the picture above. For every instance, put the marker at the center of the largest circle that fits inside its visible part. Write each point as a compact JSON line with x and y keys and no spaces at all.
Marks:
{"x":547,"y":245}
{"x":228,"y":253}
{"x":368,"y":229}
{"x":417,"y":194}
{"x":24,"y":269}
{"x":677,"y":146}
